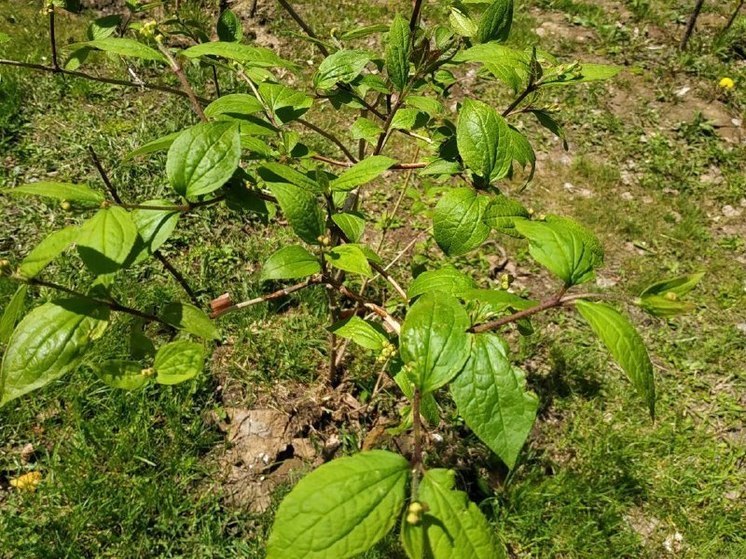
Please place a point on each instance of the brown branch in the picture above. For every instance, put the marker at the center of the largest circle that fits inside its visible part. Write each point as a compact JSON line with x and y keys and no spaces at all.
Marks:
{"x":691,"y":24}
{"x":91,"y":77}
{"x":112,"y":304}
{"x":178,"y":276}
{"x":329,"y":136}
{"x":517,"y":101}
{"x":104,"y":176}
{"x":284,"y":292}
{"x":53,"y":39}
{"x":547,"y":304}
{"x":416,"y":13}
{"x":380,"y":311}
{"x":306,"y":28}
{"x":733,"y":16}
{"x":417,"y":432}
{"x":185,"y":85}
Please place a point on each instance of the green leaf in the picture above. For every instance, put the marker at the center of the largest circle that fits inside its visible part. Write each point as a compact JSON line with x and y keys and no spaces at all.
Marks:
{"x":548,"y":121}
{"x":679,"y":286}
{"x":290,"y":262}
{"x":301,"y":209}
{"x":154,"y":227}
{"x":564,"y":247}
{"x":190,"y":319}
{"x":235,"y":105}
{"x":428,"y":406}
{"x":47,"y":250}
{"x":365,"y":129}
{"x":278,"y":173}
{"x":159,"y":144}
{"x":508,"y":65}
{"x":409,"y":119}
{"x":106,"y":241}
{"x":495,"y":22}
{"x":341,"y":67}
{"x":429,"y":105}
{"x":624,"y":344}
{"x":125,"y":47}
{"x":229,"y":27}
{"x":522,"y":152}
{"x":140,"y":345}
{"x":365,"y":31}
{"x":498,"y":301}
{"x":483,"y":139}
{"x":665,"y":306}
{"x":50,"y":341}
{"x":351,"y":224}
{"x":178,"y":361}
{"x":203,"y":158}
{"x":362,"y":332}
{"x":502,"y":213}
{"x":77,"y":58}
{"x":349,"y":258}
{"x":434,"y":342}
{"x":492,"y":399}
{"x":362,"y":172}
{"x":286,"y":103}
{"x":461,"y":23}
{"x":103,"y":27}
{"x":397,"y":53}
{"x":457,"y":222}
{"x":452,"y":527}
{"x":59,"y":190}
{"x":12,"y":313}
{"x":341,"y":509}
{"x":124,"y":375}
{"x":257,"y":57}
{"x":445,"y":280}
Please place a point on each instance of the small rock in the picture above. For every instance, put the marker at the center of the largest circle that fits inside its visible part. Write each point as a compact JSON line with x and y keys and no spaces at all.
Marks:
{"x":683,"y":91}
{"x":730,"y":211}
{"x":627,"y":196}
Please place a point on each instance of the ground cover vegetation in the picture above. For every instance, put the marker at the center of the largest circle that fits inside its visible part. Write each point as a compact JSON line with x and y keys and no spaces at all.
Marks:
{"x":380,"y":248}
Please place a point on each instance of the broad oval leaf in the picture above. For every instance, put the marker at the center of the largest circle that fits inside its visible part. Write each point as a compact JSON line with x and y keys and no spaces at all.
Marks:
{"x":235,"y":105}
{"x":341,"y":509}
{"x":103,"y":27}
{"x":461,"y":23}
{"x":302,"y":210}
{"x":125,"y":47}
{"x":154,"y":227}
{"x":203,"y":158}
{"x":452,"y":527}
{"x":290,"y":262}
{"x":502,"y":213}
{"x":447,"y":279}
{"x":362,"y":332}
{"x":341,"y":67}
{"x":397,"y":53}
{"x":491,"y":397}
{"x":277,"y":172}
{"x":47,"y":250}
{"x":498,"y":301}
{"x":564,"y":247}
{"x":680,"y":285}
{"x":124,"y":375}
{"x":61,"y":191}
{"x":349,"y":258}
{"x":258,"y":57}
{"x":362,"y":172}
{"x":483,"y":139}
{"x":286,"y":103}
{"x":496,"y":22}
{"x":159,"y":144}
{"x":351,"y":224}
{"x":624,"y":344}
{"x":178,"y":361}
{"x":12,"y":313}
{"x":434,"y":343}
{"x":458,"y":225}
{"x":229,"y":27}
{"x":189,"y":318}
{"x":106,"y":241}
{"x":49,"y":342}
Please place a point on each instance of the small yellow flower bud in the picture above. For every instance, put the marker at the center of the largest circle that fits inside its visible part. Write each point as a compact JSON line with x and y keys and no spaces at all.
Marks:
{"x":671,"y":296}
{"x":148,"y":372}
{"x":416,"y":508}
{"x":4,"y":266}
{"x":413,"y":519}
{"x":65,"y":205}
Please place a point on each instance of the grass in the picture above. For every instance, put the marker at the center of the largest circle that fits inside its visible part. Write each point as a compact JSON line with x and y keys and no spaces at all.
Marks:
{"x":134,"y":474}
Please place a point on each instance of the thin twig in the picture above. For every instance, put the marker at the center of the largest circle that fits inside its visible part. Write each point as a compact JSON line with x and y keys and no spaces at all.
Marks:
{"x":185,"y":85}
{"x":284,"y":292}
{"x":517,"y":101}
{"x":91,"y":77}
{"x":178,"y":276}
{"x":306,"y":28}
{"x":329,"y":136}
{"x":380,"y":311}
{"x":104,"y":176}
{"x":53,"y":39}
{"x":414,"y":21}
{"x":691,"y":24}
{"x":733,"y":16}
{"x":112,"y":304}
